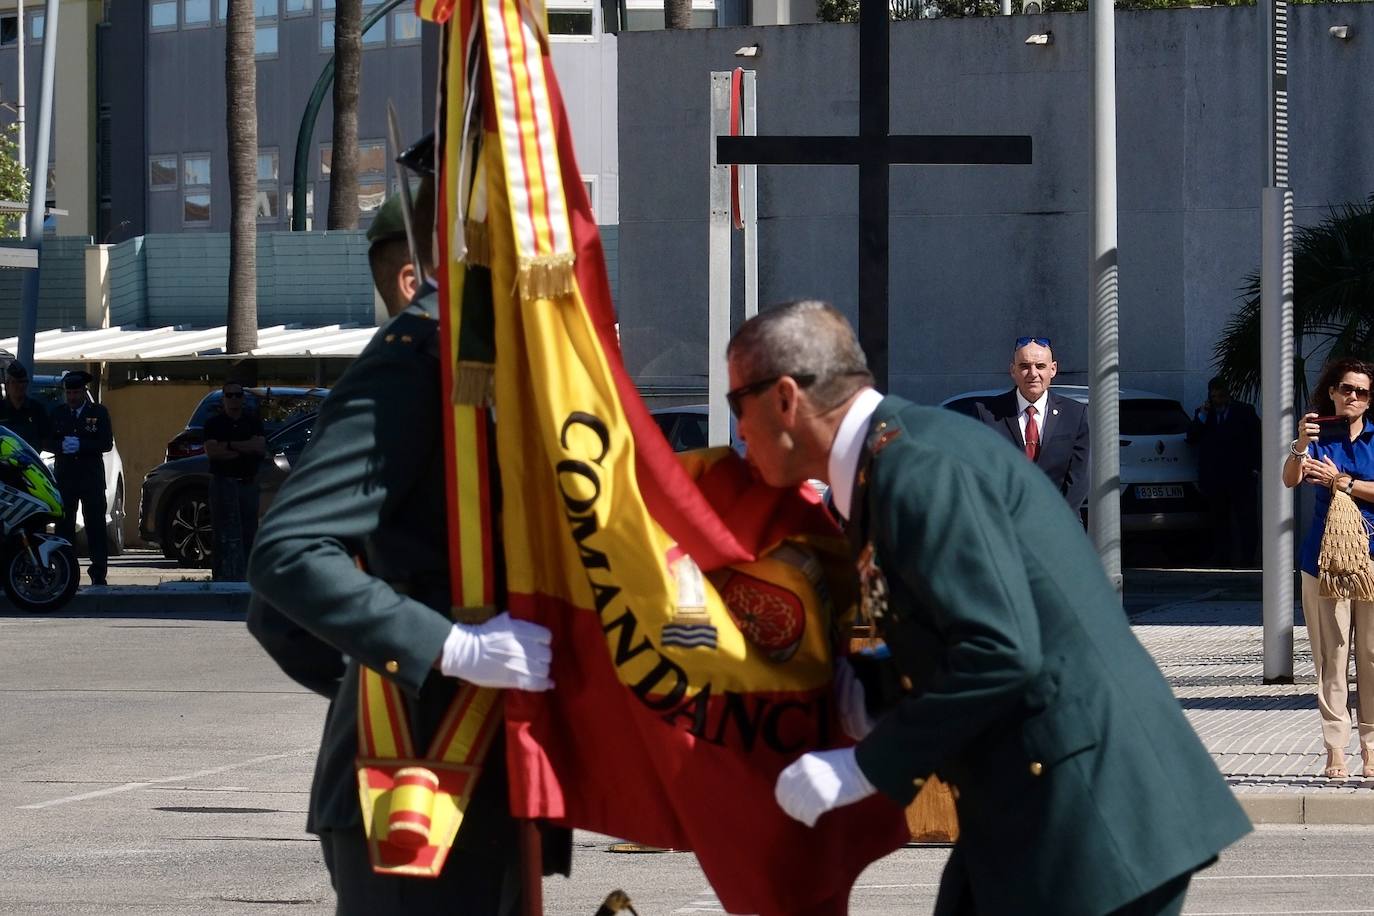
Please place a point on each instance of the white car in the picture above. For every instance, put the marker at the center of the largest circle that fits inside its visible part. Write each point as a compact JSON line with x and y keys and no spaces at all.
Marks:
{"x":1159,"y":477}
{"x":47,"y":390}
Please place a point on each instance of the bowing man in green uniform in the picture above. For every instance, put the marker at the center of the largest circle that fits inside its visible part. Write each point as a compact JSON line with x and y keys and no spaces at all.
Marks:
{"x":1081,"y":789}
{"x":370,"y":487}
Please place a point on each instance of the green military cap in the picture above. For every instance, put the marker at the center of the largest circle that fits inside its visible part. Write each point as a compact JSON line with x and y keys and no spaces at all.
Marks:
{"x":389,"y":223}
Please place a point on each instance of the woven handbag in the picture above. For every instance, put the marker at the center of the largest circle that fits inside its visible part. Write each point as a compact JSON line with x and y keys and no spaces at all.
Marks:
{"x":1344,"y":567}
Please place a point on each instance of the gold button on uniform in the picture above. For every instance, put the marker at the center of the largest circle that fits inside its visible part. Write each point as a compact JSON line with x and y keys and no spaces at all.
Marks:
{"x":905,"y":682}
{"x":918,"y":782}
{"x":393,"y":666}
{"x":1036,"y":768}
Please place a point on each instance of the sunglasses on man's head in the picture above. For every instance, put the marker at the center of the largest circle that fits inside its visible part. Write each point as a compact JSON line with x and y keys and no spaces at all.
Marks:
{"x":734,"y":396}
{"x":1361,"y":394}
{"x":1023,"y":341}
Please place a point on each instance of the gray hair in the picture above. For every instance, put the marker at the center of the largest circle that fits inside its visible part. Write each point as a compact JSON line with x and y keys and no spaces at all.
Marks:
{"x":806,"y":337}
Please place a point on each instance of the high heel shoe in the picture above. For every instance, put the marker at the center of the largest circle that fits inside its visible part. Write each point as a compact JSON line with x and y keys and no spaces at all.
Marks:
{"x":1335,"y":766}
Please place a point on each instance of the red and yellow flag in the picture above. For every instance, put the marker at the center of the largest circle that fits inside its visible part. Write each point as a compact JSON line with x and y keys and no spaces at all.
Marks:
{"x":694,"y":611}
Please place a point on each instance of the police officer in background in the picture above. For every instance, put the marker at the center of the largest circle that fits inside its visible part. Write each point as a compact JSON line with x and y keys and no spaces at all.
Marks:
{"x":21,"y":414}
{"x":80,"y":435}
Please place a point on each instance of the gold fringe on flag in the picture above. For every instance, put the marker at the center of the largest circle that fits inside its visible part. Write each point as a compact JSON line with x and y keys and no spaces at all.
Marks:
{"x":546,"y":277}
{"x":1344,"y":567}
{"x":472,"y":615}
{"x":474,"y":383}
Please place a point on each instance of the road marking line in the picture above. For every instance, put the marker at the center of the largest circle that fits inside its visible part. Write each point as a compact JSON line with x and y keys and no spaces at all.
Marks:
{"x":1262,"y":877}
{"x":1290,"y":912}
{"x":130,"y":786}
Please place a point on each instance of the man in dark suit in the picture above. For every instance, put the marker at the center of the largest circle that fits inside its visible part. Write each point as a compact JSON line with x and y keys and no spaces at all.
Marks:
{"x":1227,"y":436}
{"x":1051,"y":430}
{"x":1081,"y":789}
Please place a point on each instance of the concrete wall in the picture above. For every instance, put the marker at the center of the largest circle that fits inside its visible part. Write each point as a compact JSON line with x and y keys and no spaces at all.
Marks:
{"x":981,"y":255}
{"x":61,"y":286}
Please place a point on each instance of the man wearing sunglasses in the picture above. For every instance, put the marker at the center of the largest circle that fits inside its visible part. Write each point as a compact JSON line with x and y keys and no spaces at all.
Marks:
{"x":1051,"y":430}
{"x":235,"y":444}
{"x":1082,"y":790}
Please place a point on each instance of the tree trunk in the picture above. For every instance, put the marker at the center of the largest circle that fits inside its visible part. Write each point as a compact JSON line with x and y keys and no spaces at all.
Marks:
{"x":677,"y":14}
{"x":241,"y":78}
{"x":348,"y":65}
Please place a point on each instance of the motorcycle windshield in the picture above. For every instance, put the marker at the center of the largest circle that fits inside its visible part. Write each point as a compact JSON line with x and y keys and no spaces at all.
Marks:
{"x":23,"y":469}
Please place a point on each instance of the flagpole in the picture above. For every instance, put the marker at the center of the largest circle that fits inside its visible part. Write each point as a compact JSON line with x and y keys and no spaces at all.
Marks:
{"x":531,"y":869}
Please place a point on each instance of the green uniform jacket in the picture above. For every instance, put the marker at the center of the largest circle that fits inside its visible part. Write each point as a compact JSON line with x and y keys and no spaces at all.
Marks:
{"x":1080,"y":784}
{"x":370,"y":484}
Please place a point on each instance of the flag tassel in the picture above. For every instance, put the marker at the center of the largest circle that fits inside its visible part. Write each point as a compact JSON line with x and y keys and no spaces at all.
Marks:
{"x":546,"y":276}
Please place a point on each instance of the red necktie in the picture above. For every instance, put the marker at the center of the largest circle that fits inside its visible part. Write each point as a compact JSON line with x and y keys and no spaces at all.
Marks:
{"x":1032,"y":434}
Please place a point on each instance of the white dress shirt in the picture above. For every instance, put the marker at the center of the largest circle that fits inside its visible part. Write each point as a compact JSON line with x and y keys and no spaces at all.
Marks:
{"x":848,"y":445}
{"x":1042,"y":414}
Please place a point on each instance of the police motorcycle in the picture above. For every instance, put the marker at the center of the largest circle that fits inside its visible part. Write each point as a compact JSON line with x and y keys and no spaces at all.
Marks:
{"x":38,"y":571}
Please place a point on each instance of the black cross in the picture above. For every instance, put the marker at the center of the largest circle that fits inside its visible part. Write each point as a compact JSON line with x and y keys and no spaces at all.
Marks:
{"x":873,"y":150}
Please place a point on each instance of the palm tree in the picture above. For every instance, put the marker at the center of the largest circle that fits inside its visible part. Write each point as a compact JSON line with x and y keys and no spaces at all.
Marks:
{"x":241,"y":89}
{"x":343,"y":164}
{"x":1333,"y":303}
{"x":677,"y":14}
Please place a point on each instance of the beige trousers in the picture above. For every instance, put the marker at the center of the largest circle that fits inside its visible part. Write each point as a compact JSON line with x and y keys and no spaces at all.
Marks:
{"x":1328,"y":629}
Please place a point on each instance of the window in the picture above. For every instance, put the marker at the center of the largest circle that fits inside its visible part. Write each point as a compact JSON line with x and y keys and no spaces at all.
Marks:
{"x":162,"y":173}
{"x":223,"y":11}
{"x":36,"y":28}
{"x":327,"y":33}
{"x":9,"y":31}
{"x":589,"y":183}
{"x":371,"y":175}
{"x":405,"y":27}
{"x":326,"y":5}
{"x":570,"y":19}
{"x":162,"y":16}
{"x":265,"y":41}
{"x":265,"y":9}
{"x":298,"y":7}
{"x":326,"y":158}
{"x":375,"y":36}
{"x":309,"y":203}
{"x":195,"y":14}
{"x":642,"y":15}
{"x":268,"y":193}
{"x":195,"y":183}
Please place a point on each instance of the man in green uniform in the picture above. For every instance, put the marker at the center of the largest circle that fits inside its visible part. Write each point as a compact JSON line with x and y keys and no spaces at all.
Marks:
{"x":81,"y":434}
{"x":354,"y":554}
{"x":1081,"y":789}
{"x":21,"y":414}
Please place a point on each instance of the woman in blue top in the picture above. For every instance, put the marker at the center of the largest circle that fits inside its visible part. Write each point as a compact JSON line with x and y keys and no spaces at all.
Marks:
{"x":1339,"y":457}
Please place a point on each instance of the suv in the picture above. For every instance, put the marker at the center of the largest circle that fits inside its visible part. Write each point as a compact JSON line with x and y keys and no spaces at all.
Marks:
{"x":276,"y":406}
{"x":174,"y":511}
{"x":47,"y":390}
{"x":1159,"y":483}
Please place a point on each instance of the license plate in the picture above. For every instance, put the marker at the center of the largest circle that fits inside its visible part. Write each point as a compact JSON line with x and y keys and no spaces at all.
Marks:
{"x":1159,"y":492}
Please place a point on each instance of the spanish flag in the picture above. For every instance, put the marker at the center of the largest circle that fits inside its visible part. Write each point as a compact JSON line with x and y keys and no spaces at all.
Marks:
{"x":695,"y":612}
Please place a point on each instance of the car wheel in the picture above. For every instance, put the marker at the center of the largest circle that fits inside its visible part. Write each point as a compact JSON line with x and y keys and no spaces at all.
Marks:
{"x":187,"y":534}
{"x":114,"y":531}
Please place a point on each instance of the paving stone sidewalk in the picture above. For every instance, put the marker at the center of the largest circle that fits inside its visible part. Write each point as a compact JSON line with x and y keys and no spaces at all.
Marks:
{"x":1266,"y":739}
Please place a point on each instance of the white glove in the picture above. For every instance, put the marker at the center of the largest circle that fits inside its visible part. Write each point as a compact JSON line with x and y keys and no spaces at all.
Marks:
{"x":849,"y":700}
{"x":820,"y":781}
{"x":503,"y":652}
{"x":70,"y":444}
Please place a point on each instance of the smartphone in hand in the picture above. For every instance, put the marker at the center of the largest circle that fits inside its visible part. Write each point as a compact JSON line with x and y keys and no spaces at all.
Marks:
{"x":1332,"y":429}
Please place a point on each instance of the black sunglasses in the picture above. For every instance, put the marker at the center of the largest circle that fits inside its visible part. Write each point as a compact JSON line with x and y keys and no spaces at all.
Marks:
{"x":1361,"y":394}
{"x":735,"y":395}
{"x":1023,"y":341}
{"x":233,"y":394}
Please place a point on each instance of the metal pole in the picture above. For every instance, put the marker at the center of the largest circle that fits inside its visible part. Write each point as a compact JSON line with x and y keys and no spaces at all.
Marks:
{"x":300,"y":172}
{"x":749,"y":205}
{"x":1276,"y":352}
{"x":19,"y":114}
{"x":718,"y":283}
{"x":38,"y":192}
{"x":1104,"y":370}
